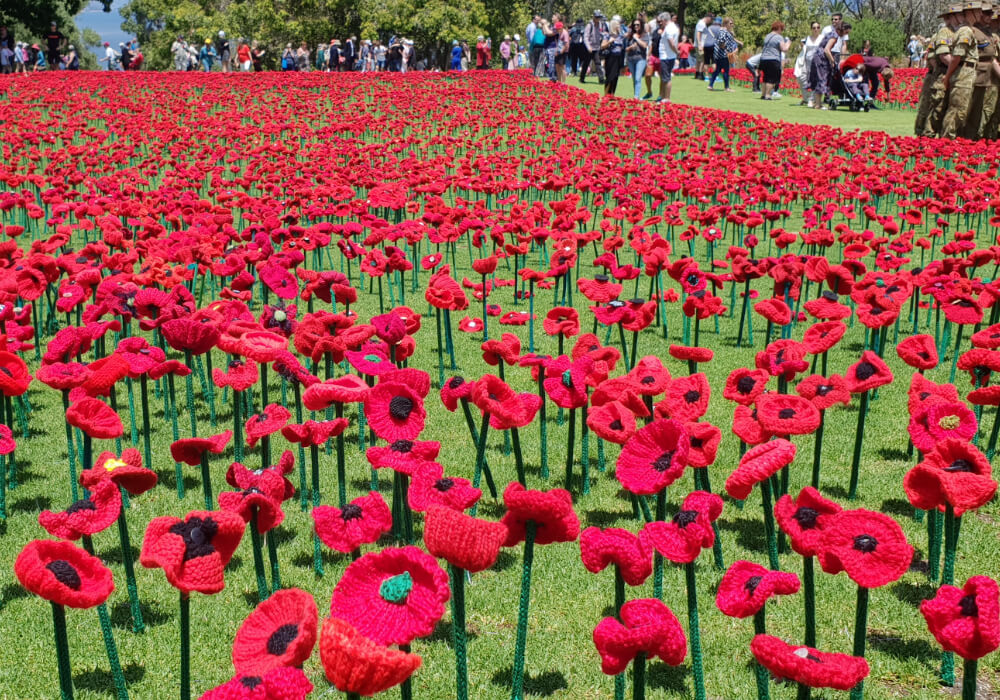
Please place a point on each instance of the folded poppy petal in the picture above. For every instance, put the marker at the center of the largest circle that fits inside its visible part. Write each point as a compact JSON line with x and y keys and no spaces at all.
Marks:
{"x":599,"y":548}
{"x":804,"y":518}
{"x":190,"y":450}
{"x":807,"y":666}
{"x":88,"y":516}
{"x":647,"y":626}
{"x":653,"y":458}
{"x":63,"y":573}
{"x":918,"y":351}
{"x":757,"y":464}
{"x":551,"y":512}
{"x":362,"y":521}
{"x":690,"y":531}
{"x":95,"y":418}
{"x":867,"y":373}
{"x":462,"y":540}
{"x":746,"y":587}
{"x":868,"y":545}
{"x":430,"y":488}
{"x":965,"y":621}
{"x":193,"y":552}
{"x":281,"y":683}
{"x":281,"y":631}
{"x":349,"y":388}
{"x":953,"y":473}
{"x":354,"y":663}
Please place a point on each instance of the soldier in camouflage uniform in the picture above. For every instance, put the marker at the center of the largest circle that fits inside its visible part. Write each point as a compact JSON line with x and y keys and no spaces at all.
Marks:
{"x":991,"y":102}
{"x":983,"y":99}
{"x":930,"y":111}
{"x":960,"y":77}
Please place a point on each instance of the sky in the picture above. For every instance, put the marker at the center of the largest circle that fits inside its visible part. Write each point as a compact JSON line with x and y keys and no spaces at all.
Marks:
{"x":107,"y":24}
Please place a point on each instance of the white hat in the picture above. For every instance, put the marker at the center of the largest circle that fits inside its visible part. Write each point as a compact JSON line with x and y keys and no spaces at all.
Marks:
{"x":517,"y":37}
{"x":222,"y":34}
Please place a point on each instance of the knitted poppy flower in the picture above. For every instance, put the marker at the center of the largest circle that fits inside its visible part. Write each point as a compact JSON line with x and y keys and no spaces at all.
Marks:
{"x":551,"y":511}
{"x":962,"y":308}
{"x":787,"y":414}
{"x":470,"y":325}
{"x":240,"y":375}
{"x":918,"y":351}
{"x":262,"y":346}
{"x":868,"y":545}
{"x":242,"y":477}
{"x":389,"y":328}
{"x":688,"y":532}
{"x":126,"y":471}
{"x":280,"y":683}
{"x":988,"y":338}
{"x":980,"y":364}
{"x":395,"y":411}
{"x":686,"y":399}
{"x":362,"y":521}
{"x":63,"y":376}
{"x":622,"y":390}
{"x":822,"y":336}
{"x":429,"y":488}
{"x":454,"y":390}
{"x":566,"y":382}
{"x":653,"y":458}
{"x":600,"y":289}
{"x":372,"y":359}
{"x":612,"y":422}
{"x":804,"y":519}
{"x":7,"y":442}
{"x":313,"y":432}
{"x":827,"y":307}
{"x":353,"y":663}
{"x":193,"y":552}
{"x":263,"y":499}
{"x":271,"y":420}
{"x":605,"y":357}
{"x":392,"y":596}
{"x":87,"y":516}
{"x":807,"y":666}
{"x":783,"y":358}
{"x":952,"y":473}
{"x":281,"y":631}
{"x":744,"y":385}
{"x":506,"y":349}
{"x":189,"y":450}
{"x":690,"y":354}
{"x":189,"y":334}
{"x":95,"y":418}
{"x":746,"y":587}
{"x":774,"y":310}
{"x":647,"y":627}
{"x":965,"y":621}
{"x":347,"y":389}
{"x":824,"y":392}
{"x":651,"y":377}
{"x":403,"y":456}
{"x":14,"y":376}
{"x":462,"y":540}
{"x":867,"y":373}
{"x":279,"y":280}
{"x":704,"y":439}
{"x":941,"y":420}
{"x":599,"y":548}
{"x":63,"y":574}
{"x":757,"y":464}
{"x":562,"y":320}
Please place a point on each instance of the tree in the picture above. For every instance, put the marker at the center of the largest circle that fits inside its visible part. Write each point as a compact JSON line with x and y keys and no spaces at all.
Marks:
{"x":886,"y":37}
{"x":30,"y":18}
{"x":87,"y":39}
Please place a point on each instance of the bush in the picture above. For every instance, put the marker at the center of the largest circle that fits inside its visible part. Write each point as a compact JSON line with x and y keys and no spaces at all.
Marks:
{"x":887,"y":38}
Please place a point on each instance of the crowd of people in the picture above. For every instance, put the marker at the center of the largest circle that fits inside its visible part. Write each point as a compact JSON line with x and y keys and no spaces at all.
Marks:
{"x":22,"y":57}
{"x":960,"y":95}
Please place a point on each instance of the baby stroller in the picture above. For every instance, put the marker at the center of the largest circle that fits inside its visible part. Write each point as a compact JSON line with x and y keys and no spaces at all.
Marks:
{"x":854,"y":96}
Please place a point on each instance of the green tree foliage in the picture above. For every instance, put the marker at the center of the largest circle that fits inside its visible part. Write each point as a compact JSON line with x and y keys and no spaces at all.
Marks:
{"x":30,"y":18}
{"x":887,"y":38}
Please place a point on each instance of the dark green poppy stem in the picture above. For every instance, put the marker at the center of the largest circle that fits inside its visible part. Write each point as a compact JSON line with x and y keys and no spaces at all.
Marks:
{"x":954,"y":354}
{"x":619,"y":602}
{"x":860,"y":633}
{"x":406,"y":687}
{"x":481,"y":466}
{"x":133,"y":590}
{"x":859,"y":435}
{"x":210,"y":389}
{"x":121,"y":691}
{"x":763,"y":679}
{"x":352,"y":696}
{"x":206,"y":480}
{"x":570,"y":439}
{"x":804,"y":692}
{"x":994,"y":433}
{"x":341,"y":464}
{"x":185,"y":620}
{"x":772,"y":543}
{"x":969,"y":672}
{"x":486,"y":323}
{"x":258,"y":558}
{"x":317,"y":550}
{"x":69,"y":441}
{"x":933,"y":544}
{"x":237,"y":427}
{"x":518,"y":457}
{"x":440,"y":347}
{"x":265,"y":441}
{"x":638,"y":676}
{"x":952,"y":524}
{"x":809,"y":584}
{"x":189,"y":392}
{"x":272,"y":555}
{"x":471,"y":424}
{"x":585,"y":449}
{"x":458,"y":631}
{"x":818,"y":450}
{"x":743,"y":314}
{"x":702,"y":482}
{"x":694,"y":634}
{"x":62,"y":652}
{"x":635,"y":350}
{"x":661,"y":515}
{"x":542,"y":427}
{"x":517,"y":686}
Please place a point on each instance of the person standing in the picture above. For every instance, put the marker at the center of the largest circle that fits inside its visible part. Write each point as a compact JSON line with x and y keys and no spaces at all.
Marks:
{"x":505,"y":52}
{"x":562,"y":50}
{"x":592,"y":37}
{"x":178,"y":52}
{"x":206,"y":56}
{"x":7,"y":46}
{"x":699,"y":44}
{"x":826,"y":60}
{"x":930,"y":107}
{"x":960,"y":78}
{"x":350,"y":53}
{"x":576,"y":46}
{"x":482,"y":61}
{"x":726,"y":44}
{"x":223,"y":52}
{"x":803,"y":63}
{"x":126,"y":55}
{"x":537,"y":44}
{"x":914,"y":49}
{"x":775,"y":45}
{"x":257,"y":56}
{"x":529,"y":36}
{"x":636,"y":47}
{"x":684,"y":53}
{"x":54,"y":41}
{"x":982,"y":104}
{"x":613,"y":45}
{"x":456,"y":55}
{"x":302,"y":57}
{"x":668,"y":54}
{"x":710,"y":39}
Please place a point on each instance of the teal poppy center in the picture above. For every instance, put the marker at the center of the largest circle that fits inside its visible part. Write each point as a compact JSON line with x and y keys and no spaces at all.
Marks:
{"x":396,"y":588}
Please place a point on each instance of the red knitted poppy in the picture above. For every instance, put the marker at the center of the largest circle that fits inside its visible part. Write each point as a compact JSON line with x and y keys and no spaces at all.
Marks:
{"x":240,"y":375}
{"x":647,"y":626}
{"x":807,"y":666}
{"x":66,"y":375}
{"x":389,"y":328}
{"x":454,"y":390}
{"x":746,"y":587}
{"x":174,"y":367}
{"x":704,"y":439}
{"x":279,"y":280}
{"x":14,"y":377}
{"x":429,"y":487}
{"x":7,"y":442}
{"x":63,"y":573}
{"x":372,"y":359}
{"x":624,"y":390}
{"x":362,"y":521}
{"x":867,"y":373}
{"x":826,"y":307}
{"x":392,"y":596}
{"x":355,"y":664}
{"x":774,"y":310}
{"x":282,"y":683}
{"x":612,"y":422}
{"x":653,"y":458}
{"x":744,"y":385}
{"x":746,"y":426}
{"x":506,"y":349}
{"x":918,"y":351}
{"x":822,"y":336}
{"x":566,"y":380}
{"x":941,"y":420}
{"x":599,"y":548}
{"x":126,"y":472}
{"x":804,"y":519}
{"x":988,"y":338}
{"x":95,"y":418}
{"x":686,"y":398}
{"x":868,"y":545}
{"x":923,"y":391}
{"x":190,"y":450}
{"x":190,"y":334}
{"x":651,"y":377}
{"x":965,"y":620}
{"x":690,"y":354}
{"x":395,"y":411}
{"x":688,"y":532}
{"x":952,"y":473}
{"x":551,"y":511}
{"x":462,"y":540}
{"x":562,"y":320}
{"x":264,"y":499}
{"x":262,"y":346}
{"x":787,"y":414}
{"x":281,"y":631}
{"x":589,"y":344}
{"x":403,"y":456}
{"x":758,"y":464}
{"x":600,"y":289}
{"x":824,"y":392}
{"x":961,"y":308}
{"x":193,"y":552}
{"x":104,"y":374}
{"x":347,"y":389}
{"x":88,"y":516}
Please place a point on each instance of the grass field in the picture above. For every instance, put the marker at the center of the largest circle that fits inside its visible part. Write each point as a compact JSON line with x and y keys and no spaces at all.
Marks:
{"x":567,"y":601}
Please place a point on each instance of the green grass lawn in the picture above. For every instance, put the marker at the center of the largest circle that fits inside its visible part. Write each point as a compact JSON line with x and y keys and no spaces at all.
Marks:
{"x":688,"y":91}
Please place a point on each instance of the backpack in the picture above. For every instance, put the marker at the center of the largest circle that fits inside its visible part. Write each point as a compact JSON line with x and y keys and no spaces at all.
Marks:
{"x":576,"y":35}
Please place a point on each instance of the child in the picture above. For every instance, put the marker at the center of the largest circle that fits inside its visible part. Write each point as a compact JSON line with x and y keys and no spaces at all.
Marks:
{"x":857,"y":88}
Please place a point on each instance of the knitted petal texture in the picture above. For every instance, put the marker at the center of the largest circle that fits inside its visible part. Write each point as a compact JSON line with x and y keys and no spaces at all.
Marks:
{"x":193,"y":552}
{"x":648,"y":626}
{"x":362,"y":521}
{"x":787,"y":414}
{"x":804,"y":518}
{"x":355,"y":664}
{"x":918,"y":351}
{"x":395,"y":411}
{"x":690,"y":530}
{"x":125,"y":471}
{"x":95,"y":418}
{"x":63,"y":573}
{"x":808,"y":666}
{"x":743,"y":386}
{"x":746,"y":587}
{"x":758,"y":464}
{"x":953,"y":473}
{"x":867,"y":373}
{"x":653,"y":458}
{"x":87,"y":516}
{"x":462,"y":540}
{"x":282,"y":683}
{"x":392,"y":596}
{"x":599,"y":548}
{"x":965,"y":620}
{"x":868,"y":545}
{"x":551,"y":511}
{"x":281,"y":631}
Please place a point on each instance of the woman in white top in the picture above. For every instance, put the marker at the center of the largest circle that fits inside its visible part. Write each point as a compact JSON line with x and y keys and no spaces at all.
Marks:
{"x":803,"y":64}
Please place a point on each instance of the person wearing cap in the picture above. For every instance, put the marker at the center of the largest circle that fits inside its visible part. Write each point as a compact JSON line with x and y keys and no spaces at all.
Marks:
{"x":505,"y":52}
{"x":960,"y":78}
{"x":576,"y":46}
{"x":54,"y":41}
{"x":592,"y":42}
{"x":206,"y":56}
{"x":930,"y":107}
{"x":668,"y":53}
{"x":110,"y":57}
{"x":71,"y":61}
{"x":983,"y":99}
{"x":991,"y":104}
{"x":223,"y":50}
{"x":562,"y":50}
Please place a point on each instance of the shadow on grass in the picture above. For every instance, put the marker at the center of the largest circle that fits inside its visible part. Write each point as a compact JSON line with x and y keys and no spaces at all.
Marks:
{"x":152,"y":614}
{"x":234,"y":563}
{"x":100,"y":680}
{"x":168,"y":479}
{"x":749,"y":533}
{"x":304,"y":560}
{"x":898,"y":507}
{"x":665,"y":677}
{"x":30,"y":504}
{"x":505,"y":560}
{"x":444,"y":631}
{"x":12,"y":591}
{"x":606,"y":518}
{"x":543,"y":684}
{"x":897,"y":647}
{"x":114,"y":555}
{"x":892,"y":454}
{"x":913,"y":593}
{"x":281,"y":535}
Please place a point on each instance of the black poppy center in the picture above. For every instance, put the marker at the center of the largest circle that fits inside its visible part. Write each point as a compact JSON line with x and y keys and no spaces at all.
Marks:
{"x":279,"y":640}
{"x":350,"y":512}
{"x":403,"y":446}
{"x":400,"y":407}
{"x":745,"y":385}
{"x":662,"y":463}
{"x":685,"y":518}
{"x":456,"y":382}
{"x":752,"y":583}
{"x":865,"y":370}
{"x":197,"y":534}
{"x":251,"y":682}
{"x":647,"y":380}
{"x":444,"y":484}
{"x":7,"y":372}
{"x":960,"y":465}
{"x":692,"y":396}
{"x":806,"y":517}
{"x":786,"y":413}
{"x":616,"y":425}
{"x":82,"y":504}
{"x":697,"y":443}
{"x":601,"y":278}
{"x":829,"y":296}
{"x":865,"y":543}
{"x":824,"y":389}
{"x":65,"y":573}
{"x":968,"y":606}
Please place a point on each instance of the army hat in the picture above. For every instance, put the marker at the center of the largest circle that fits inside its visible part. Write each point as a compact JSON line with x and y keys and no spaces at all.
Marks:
{"x":951,"y":8}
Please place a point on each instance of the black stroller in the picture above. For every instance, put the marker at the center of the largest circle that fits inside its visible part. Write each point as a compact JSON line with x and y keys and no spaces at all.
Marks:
{"x":842,"y":94}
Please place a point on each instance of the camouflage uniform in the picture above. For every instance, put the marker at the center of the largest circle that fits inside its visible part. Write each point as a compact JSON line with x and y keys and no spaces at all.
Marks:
{"x":932,"y":96}
{"x":981,"y":105}
{"x":991,"y":103}
{"x":963,"y":79}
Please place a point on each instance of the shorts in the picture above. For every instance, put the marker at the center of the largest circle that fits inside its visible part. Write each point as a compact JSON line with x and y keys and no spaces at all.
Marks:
{"x":667,"y":69}
{"x":770,"y":71}
{"x":708,"y":55}
{"x":654,"y":64}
